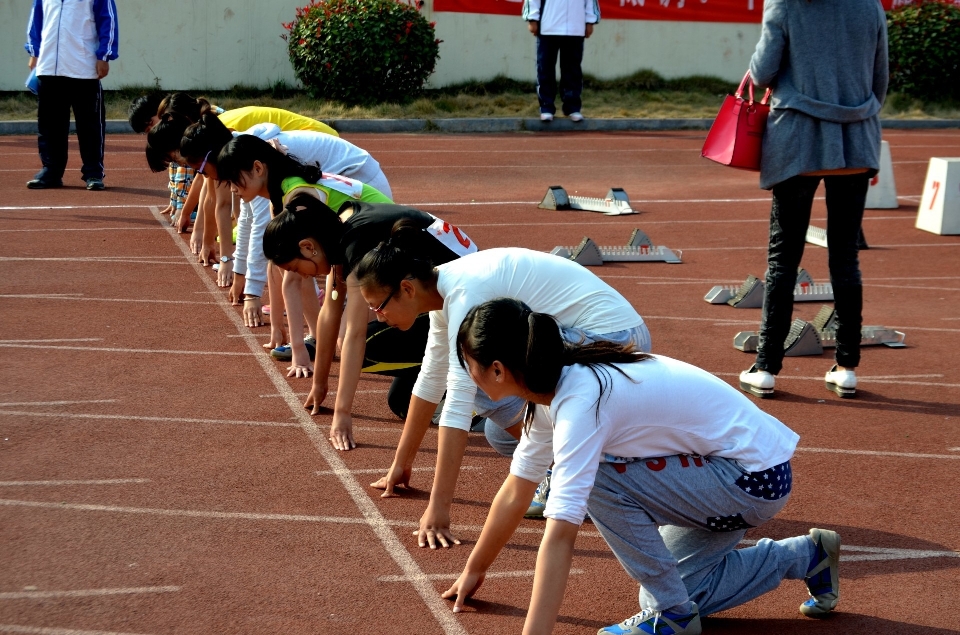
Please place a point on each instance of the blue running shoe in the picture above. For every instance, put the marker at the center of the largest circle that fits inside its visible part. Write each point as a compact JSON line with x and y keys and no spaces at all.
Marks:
{"x":823,"y":577}
{"x":283,"y":353}
{"x":648,"y":622}
{"x":539,"y":502}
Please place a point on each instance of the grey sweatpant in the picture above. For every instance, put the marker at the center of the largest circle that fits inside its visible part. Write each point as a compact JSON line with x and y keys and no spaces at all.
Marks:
{"x":655,"y":514}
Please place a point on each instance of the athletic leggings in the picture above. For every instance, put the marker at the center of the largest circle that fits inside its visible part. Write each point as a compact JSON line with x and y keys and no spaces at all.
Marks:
{"x":397,"y":354}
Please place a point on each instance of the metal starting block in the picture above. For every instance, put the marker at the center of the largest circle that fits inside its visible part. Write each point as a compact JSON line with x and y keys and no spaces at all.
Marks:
{"x":810,"y":338}
{"x":639,"y":249}
{"x":750,"y":294}
{"x":616,"y":203}
{"x":818,"y":236}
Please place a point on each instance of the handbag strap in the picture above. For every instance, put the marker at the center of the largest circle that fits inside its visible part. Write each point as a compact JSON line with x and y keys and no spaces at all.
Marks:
{"x":744,"y":82}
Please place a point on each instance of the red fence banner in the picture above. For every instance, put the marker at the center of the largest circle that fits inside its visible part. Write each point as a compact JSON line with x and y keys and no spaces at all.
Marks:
{"x":743,"y":11}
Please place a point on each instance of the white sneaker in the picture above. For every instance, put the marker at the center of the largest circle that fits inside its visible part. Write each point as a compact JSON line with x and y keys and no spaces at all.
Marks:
{"x":545,"y":116}
{"x":539,"y":501}
{"x":575,"y":117}
{"x":842,"y":382}
{"x":757,"y":382}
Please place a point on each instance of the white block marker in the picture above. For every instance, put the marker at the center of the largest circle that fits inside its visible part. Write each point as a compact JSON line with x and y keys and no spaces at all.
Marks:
{"x":939,"y":211}
{"x":882,"y":193}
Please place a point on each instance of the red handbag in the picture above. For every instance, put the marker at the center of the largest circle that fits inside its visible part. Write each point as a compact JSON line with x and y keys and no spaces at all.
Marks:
{"x":737,"y":133}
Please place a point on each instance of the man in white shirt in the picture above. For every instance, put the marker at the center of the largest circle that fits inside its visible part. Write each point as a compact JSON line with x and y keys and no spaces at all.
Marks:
{"x":70,"y":46}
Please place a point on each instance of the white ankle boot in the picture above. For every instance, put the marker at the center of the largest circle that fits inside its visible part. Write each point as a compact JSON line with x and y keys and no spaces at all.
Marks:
{"x":757,"y":382}
{"x":842,"y":382}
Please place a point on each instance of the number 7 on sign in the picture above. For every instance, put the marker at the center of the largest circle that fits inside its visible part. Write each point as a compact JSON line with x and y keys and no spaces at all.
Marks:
{"x":936,"y":190}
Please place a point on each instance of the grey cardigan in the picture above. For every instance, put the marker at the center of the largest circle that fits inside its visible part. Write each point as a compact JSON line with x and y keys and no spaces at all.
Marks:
{"x":826,"y":61}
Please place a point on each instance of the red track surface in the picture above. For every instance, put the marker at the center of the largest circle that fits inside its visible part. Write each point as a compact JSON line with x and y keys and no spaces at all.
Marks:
{"x":157,"y":474}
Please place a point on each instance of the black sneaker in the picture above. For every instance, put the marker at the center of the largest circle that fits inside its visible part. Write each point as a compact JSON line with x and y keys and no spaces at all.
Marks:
{"x":43,"y":184}
{"x":95,"y":185}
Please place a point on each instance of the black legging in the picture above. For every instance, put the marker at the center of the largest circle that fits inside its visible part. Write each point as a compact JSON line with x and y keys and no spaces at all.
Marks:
{"x":397,"y":354}
{"x":789,"y":219}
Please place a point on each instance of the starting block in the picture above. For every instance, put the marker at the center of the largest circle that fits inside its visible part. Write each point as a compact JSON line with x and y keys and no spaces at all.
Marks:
{"x":638,"y":249}
{"x":810,"y":338}
{"x":818,"y":236}
{"x":882,"y":192}
{"x":750,"y":294}
{"x":616,"y":203}
{"x":939,"y":210}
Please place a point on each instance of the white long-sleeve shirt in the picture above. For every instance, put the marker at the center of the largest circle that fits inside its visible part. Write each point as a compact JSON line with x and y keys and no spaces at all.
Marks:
{"x":68,"y":38}
{"x":663,"y":407}
{"x":546,"y":283}
{"x":562,"y":17}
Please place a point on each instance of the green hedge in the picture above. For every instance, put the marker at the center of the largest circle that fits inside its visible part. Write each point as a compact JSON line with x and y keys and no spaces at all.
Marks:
{"x":362,"y":51}
{"x":925,"y":50}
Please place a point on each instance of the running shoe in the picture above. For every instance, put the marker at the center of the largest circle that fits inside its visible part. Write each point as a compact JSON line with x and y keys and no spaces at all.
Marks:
{"x":648,"y":622}
{"x":823,"y":577}
{"x":539,"y":502}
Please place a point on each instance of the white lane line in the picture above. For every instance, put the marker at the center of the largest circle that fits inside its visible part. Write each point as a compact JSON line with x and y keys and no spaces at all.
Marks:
{"x":79,"y":229}
{"x":46,"y":341}
{"x":435,"y":577}
{"x":764,"y":247}
{"x":634,"y":202}
{"x":602,"y":220}
{"x":138,"y":208}
{"x":903,"y":455}
{"x":187,"y":513}
{"x":73,"y":415}
{"x":953,"y":449}
{"x":888,"y":379}
{"x":49,"y":630}
{"x":329,"y":394}
{"x":55,"y":296}
{"x":8,"y":404}
{"x":371,"y":514}
{"x":106,"y":481}
{"x":882,"y":553}
{"x":212,"y":354}
{"x":146,"y":260}
{"x":697,"y":319}
{"x":60,"y":296}
{"x":84,"y":593}
{"x":380,"y":470}
{"x":913,"y":287}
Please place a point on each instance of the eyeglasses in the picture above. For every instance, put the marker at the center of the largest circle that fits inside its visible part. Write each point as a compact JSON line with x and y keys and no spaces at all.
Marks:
{"x":204,"y":163}
{"x":379,"y":309}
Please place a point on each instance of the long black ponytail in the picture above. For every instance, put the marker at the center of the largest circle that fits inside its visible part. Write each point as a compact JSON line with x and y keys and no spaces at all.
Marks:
{"x":531,"y":346}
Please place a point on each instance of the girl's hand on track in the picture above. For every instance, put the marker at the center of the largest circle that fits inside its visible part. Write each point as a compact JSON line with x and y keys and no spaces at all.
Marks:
{"x":317,"y":394}
{"x":181,"y":221}
{"x":396,"y":477}
{"x":225,"y":275}
{"x":278,"y":336}
{"x":341,"y":432}
{"x":208,"y":255}
{"x":435,"y":528}
{"x":252,"y":313}
{"x":235,"y":294}
{"x":466,"y":585}
{"x":196,"y":243}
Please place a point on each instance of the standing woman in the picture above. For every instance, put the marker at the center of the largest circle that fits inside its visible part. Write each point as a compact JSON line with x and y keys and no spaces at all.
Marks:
{"x":672,"y":463}
{"x":400,"y":286}
{"x":827,"y":64}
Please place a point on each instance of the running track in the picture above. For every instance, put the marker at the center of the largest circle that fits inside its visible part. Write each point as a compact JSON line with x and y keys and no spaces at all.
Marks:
{"x":157,"y":474}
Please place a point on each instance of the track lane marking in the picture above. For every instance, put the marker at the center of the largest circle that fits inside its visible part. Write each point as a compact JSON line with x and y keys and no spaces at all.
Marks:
{"x":106,"y":481}
{"x":50,"y":630}
{"x":105,"y":349}
{"x":371,"y":514}
{"x":436,"y":577}
{"x":74,"y":415}
{"x":84,"y":593}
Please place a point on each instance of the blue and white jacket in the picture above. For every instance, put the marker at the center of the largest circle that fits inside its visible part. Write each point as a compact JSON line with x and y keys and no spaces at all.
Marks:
{"x":68,"y":36}
{"x":562,"y":17}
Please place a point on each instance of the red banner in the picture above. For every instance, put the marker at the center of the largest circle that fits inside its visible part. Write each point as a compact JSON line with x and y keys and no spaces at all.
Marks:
{"x":671,"y":10}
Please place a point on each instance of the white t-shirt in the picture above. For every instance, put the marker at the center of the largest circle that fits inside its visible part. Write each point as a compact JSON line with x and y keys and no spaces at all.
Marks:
{"x":546,"y":283}
{"x":663,"y":407}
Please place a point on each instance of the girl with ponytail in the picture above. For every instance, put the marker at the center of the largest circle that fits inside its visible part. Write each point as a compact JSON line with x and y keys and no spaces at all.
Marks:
{"x":310,"y":239}
{"x":399,"y":286}
{"x":672,"y":463}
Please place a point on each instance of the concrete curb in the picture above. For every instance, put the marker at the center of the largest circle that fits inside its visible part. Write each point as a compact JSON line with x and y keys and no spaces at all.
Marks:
{"x":502,"y":124}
